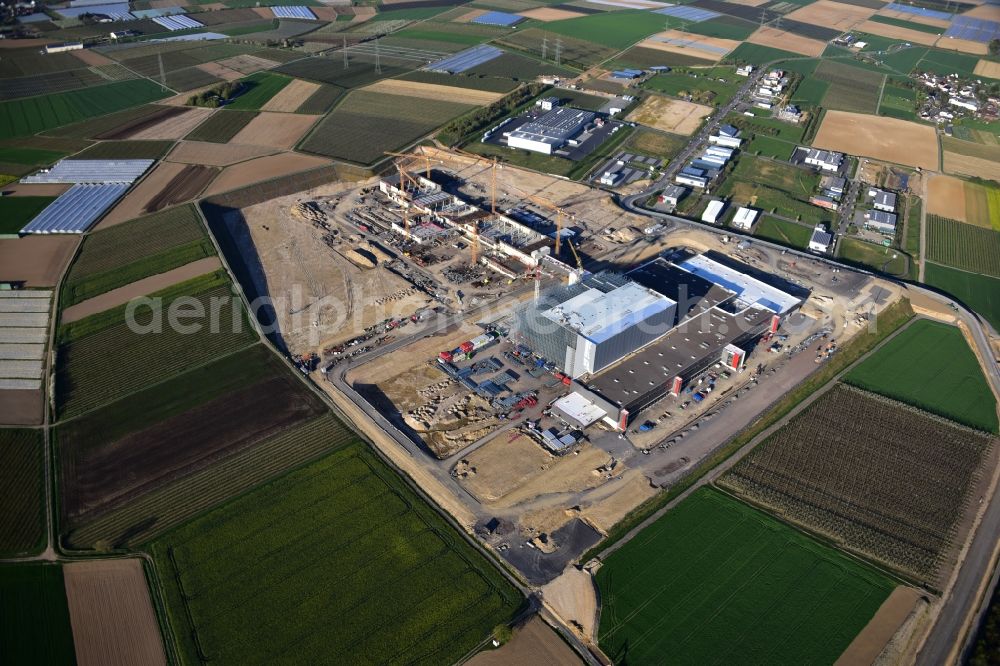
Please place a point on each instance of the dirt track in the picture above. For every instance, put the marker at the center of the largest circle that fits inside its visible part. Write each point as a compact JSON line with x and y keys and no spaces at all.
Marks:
{"x":111,"y":614}
{"x":37,"y":260}
{"x":888,"y":139}
{"x":139,"y":288}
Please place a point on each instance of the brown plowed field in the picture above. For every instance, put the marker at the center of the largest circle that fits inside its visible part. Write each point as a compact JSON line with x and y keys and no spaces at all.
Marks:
{"x":263,"y":168}
{"x":143,"y":287}
{"x":98,"y":474}
{"x":139,"y":196}
{"x":962,"y":45}
{"x":888,"y":139}
{"x":533,"y":643}
{"x":898,"y":32}
{"x":36,"y":260}
{"x":126,"y":130}
{"x":829,"y":14}
{"x":946,"y":197}
{"x":92,"y":57}
{"x":247,"y":64}
{"x":264,"y":12}
{"x":111,"y":614}
{"x":987,"y":68}
{"x":176,"y":127}
{"x":275,"y":130}
{"x":787,"y":41}
{"x":183,"y":187}
{"x":434,"y":91}
{"x":216,"y":154}
{"x":291,"y":96}
{"x":21,"y":407}
{"x":16,"y":189}
{"x":215,"y":69}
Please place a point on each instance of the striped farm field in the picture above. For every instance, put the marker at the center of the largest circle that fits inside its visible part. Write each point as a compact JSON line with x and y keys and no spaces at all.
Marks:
{"x":716,"y":581}
{"x":104,"y":357}
{"x":221,"y":126}
{"x":124,"y":253}
{"x":964,"y":246}
{"x":341,"y":543}
{"x":22,"y":492}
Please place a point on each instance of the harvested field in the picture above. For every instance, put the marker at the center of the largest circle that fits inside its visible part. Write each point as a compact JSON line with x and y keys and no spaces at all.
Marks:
{"x":962,"y":45}
{"x":670,"y":115}
{"x":534,"y":642}
{"x":92,"y":57}
{"x":247,"y":64}
{"x":142,"y":287}
{"x":888,"y":139}
{"x":280,"y":131}
{"x":898,"y":32}
{"x":716,"y":580}
{"x":22,"y":490}
{"x":36,"y":260}
{"x":787,"y":41}
{"x":967,"y":165}
{"x":215,"y":154}
{"x":263,"y":168}
{"x":988,"y":68}
{"x":946,"y":197}
{"x":176,"y":127}
{"x":217,"y":70}
{"x":434,"y":91}
{"x":828,"y":14}
{"x":111,"y":614}
{"x":22,"y":407}
{"x":291,"y":97}
{"x":825,"y":470}
{"x":547,"y":14}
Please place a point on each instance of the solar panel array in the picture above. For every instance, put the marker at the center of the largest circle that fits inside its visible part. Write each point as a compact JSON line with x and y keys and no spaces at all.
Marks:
{"x":466,"y":59}
{"x":77,"y":209}
{"x":116,"y":11}
{"x":293,"y":12}
{"x":922,"y":11}
{"x":688,"y":13}
{"x":24,"y":322}
{"x":173,"y":23}
{"x":973,"y":29}
{"x":91,"y":171}
{"x":498,"y":18}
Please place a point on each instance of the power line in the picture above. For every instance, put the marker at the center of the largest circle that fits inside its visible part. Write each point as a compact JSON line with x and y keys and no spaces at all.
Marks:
{"x":558,"y":51}
{"x":345,"y":52}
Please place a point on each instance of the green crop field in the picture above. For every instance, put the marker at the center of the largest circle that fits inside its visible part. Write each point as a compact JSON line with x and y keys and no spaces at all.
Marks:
{"x":656,"y":144}
{"x":904,"y":61}
{"x":785,"y":233}
{"x":15,"y":212}
{"x":105,"y":356}
{"x":261,"y":87}
{"x":343,"y":543}
{"x":517,"y":67}
{"x":321,"y":69}
{"x":125,"y":150}
{"x":851,"y":88}
{"x":321,"y":101}
{"x":22,"y":492}
{"x":367,"y":124}
{"x":22,"y":117}
{"x":898,"y":103}
{"x":877,"y":257}
{"x":964,"y":246}
{"x":715,"y":581}
{"x":949,"y":62}
{"x":756,"y":54}
{"x":616,"y":30}
{"x":929,"y":365}
{"x":682,"y":83}
{"x":910,"y":25}
{"x":124,"y":253}
{"x":190,"y":78}
{"x":576,"y":52}
{"x":640,"y":57}
{"x":30,"y":156}
{"x":810,"y":91}
{"x":35,"y":627}
{"x":113,"y":122}
{"x":769,"y":127}
{"x":726,"y":27}
{"x":770,"y":147}
{"x":979,"y":292}
{"x":221,"y":126}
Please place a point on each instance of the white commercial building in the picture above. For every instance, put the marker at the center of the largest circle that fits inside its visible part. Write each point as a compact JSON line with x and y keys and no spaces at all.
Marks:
{"x":712,"y":211}
{"x":827,"y":160}
{"x":551,"y":131}
{"x":728,"y":141}
{"x":821,"y":239}
{"x":744,"y":218}
{"x":577,"y":410}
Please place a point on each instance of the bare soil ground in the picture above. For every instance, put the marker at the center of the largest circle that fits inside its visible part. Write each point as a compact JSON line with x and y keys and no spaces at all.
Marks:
{"x":828,"y":14}
{"x":263,"y":168}
{"x":898,"y":32}
{"x":962,"y":45}
{"x":92,"y":57}
{"x":573,"y":597}
{"x":568,"y":474}
{"x":16,"y":189}
{"x":176,"y":127}
{"x":301,"y":270}
{"x":275,"y":130}
{"x":215,"y":69}
{"x":889,"y":139}
{"x":138,"y":198}
{"x":622,"y":497}
{"x":534,"y":642}
{"x":111,"y":614}
{"x":216,"y":154}
{"x":946,"y":197}
{"x":787,"y":41}
{"x":291,"y":96}
{"x":142,"y":287}
{"x":36,"y":260}
{"x":971,"y":166}
{"x":434,"y":91}
{"x":469,"y":15}
{"x":916,"y":18}
{"x":988,"y":68}
{"x":385,"y":369}
{"x":550,"y":14}
{"x":891,"y":615}
{"x":183,"y":187}
{"x":248,"y":64}
{"x":670,"y":115}
{"x":21,"y":407}
{"x":507,"y":462}
{"x":692,"y":45}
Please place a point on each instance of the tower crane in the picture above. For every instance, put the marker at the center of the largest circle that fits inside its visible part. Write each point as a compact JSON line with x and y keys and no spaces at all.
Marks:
{"x":414,"y":156}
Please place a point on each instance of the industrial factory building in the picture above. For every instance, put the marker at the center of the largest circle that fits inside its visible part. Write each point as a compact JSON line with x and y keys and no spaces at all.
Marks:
{"x":551,"y":131}
{"x":656,"y":328}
